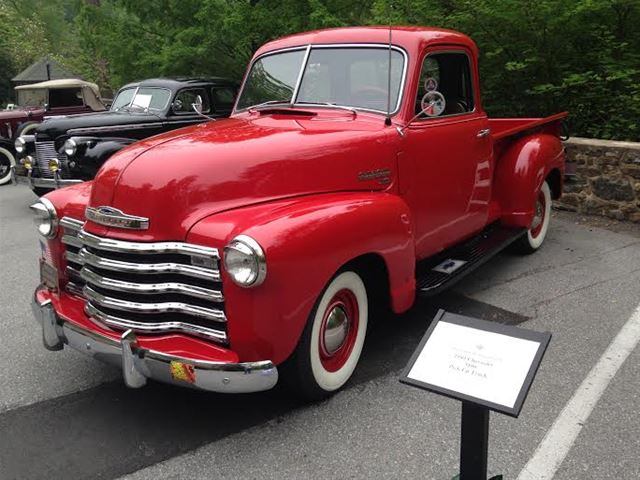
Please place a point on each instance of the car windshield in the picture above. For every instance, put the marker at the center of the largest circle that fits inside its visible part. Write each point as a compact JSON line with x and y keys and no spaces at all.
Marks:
{"x":142,"y":99}
{"x":355,"y":77}
{"x":123,"y":99}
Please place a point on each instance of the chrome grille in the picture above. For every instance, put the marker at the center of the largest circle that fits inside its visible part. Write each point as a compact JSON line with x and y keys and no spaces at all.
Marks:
{"x":146,"y":287}
{"x":45,"y":151}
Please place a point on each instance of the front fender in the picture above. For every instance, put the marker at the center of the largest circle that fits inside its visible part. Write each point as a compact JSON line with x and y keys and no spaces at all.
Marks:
{"x":306,"y":241}
{"x":93,"y":152}
{"x":520,"y":172}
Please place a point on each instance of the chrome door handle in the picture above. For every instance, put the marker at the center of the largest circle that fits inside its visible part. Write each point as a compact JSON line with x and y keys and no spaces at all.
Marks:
{"x":484,"y":133}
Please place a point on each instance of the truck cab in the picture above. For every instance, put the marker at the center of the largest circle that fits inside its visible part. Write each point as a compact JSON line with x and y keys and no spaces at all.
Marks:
{"x":354,"y":174}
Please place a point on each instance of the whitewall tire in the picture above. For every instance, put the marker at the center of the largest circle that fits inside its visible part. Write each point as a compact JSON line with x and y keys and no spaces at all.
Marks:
{"x":7,"y":160}
{"x":330,"y":347}
{"x":535,"y":236}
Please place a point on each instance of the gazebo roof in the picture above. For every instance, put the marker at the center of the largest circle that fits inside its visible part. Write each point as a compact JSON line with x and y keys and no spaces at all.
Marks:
{"x":37,"y":72}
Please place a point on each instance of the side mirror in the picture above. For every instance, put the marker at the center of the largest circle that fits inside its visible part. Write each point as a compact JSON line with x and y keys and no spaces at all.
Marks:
{"x":46,"y":107}
{"x":197,"y":105}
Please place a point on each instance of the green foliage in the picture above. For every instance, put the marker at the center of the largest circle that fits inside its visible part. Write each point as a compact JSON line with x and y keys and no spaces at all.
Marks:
{"x":537,"y":57}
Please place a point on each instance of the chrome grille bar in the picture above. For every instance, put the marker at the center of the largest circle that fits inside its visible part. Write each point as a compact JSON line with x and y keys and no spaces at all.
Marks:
{"x":71,"y":224}
{"x":93,"y":278}
{"x":121,"y":246}
{"x":88,"y":258}
{"x":73,"y":257}
{"x":150,"y":308}
{"x":158,"y":327}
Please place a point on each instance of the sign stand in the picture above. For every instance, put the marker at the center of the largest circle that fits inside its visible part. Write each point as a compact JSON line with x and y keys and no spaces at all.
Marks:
{"x":474,"y":442}
{"x":486,"y":365}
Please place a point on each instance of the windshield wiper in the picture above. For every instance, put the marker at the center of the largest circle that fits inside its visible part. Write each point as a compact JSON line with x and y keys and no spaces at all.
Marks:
{"x":333,"y":105}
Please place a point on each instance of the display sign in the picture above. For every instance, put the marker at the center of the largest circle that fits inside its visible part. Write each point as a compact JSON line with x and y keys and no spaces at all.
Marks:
{"x":473,"y":360}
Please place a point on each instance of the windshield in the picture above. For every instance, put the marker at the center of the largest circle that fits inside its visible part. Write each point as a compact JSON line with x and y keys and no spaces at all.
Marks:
{"x":142,"y":99}
{"x":123,"y":99}
{"x":345,"y":76}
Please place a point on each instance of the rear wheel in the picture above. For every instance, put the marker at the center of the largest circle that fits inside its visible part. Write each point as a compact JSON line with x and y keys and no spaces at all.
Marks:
{"x":535,"y":236}
{"x":7,"y":160}
{"x":331,"y":344}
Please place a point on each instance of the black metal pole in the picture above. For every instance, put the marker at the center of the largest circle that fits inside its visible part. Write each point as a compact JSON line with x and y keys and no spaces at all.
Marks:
{"x":474,"y":443}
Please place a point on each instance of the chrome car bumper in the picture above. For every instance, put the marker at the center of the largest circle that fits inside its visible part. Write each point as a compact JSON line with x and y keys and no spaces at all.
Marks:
{"x":32,"y":182}
{"x":138,"y":364}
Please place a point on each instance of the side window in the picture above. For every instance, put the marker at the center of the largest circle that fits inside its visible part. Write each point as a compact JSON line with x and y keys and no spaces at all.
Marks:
{"x":185,"y":98}
{"x":445,"y":86}
{"x":65,"y":97}
{"x":223,"y":98}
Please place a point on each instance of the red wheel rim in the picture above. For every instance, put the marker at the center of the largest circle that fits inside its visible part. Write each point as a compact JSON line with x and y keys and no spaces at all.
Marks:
{"x":539,"y":215}
{"x":338,"y":330}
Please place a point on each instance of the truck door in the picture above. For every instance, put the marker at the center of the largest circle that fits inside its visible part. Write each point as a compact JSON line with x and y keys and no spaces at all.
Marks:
{"x":450,"y":150}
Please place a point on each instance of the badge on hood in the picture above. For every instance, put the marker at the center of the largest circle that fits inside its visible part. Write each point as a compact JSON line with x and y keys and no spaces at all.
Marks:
{"x":112,"y":217}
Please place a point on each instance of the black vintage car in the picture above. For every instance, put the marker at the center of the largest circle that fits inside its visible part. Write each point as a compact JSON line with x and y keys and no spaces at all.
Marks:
{"x":67,"y":150}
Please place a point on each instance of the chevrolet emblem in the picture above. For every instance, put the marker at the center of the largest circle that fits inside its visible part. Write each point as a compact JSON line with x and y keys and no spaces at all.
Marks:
{"x":112,"y":217}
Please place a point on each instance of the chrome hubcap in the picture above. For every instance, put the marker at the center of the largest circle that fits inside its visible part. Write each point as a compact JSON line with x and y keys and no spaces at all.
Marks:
{"x":539,"y":215}
{"x":336,"y":330}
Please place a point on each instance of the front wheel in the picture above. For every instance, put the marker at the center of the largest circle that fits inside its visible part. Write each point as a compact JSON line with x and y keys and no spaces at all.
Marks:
{"x":7,"y":160}
{"x":535,"y":236}
{"x":331,"y":344}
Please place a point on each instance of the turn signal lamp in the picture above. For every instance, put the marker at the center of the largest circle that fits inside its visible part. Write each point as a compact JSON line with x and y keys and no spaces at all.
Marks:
{"x":54,"y":165}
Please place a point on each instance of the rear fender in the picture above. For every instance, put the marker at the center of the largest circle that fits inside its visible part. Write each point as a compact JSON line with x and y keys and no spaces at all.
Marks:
{"x":306,"y":241}
{"x":520,"y":172}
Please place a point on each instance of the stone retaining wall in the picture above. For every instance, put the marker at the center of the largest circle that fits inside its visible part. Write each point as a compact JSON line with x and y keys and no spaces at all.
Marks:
{"x":606,"y":180}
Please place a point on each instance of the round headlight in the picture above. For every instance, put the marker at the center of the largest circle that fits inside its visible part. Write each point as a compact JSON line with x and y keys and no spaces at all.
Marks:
{"x":70,"y":147}
{"x":45,"y":218}
{"x":20,"y":145}
{"x":245,"y":262}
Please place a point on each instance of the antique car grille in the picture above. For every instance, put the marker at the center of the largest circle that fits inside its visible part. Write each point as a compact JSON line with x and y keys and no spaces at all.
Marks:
{"x":151,"y":288}
{"x":45,"y":151}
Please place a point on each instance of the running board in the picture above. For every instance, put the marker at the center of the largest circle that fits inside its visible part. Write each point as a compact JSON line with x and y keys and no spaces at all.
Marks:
{"x":437,"y":273}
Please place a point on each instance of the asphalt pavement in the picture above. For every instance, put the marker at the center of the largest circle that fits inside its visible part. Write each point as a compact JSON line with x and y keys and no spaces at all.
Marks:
{"x":64,"y":416}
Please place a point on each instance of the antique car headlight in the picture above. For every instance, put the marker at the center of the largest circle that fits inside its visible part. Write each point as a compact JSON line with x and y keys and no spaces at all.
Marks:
{"x":20,"y":145}
{"x":45,"y":218}
{"x":70,"y":147}
{"x":245,"y":262}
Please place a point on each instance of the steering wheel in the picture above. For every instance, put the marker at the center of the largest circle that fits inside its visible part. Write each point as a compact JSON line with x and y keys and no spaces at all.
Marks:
{"x":433,"y":103}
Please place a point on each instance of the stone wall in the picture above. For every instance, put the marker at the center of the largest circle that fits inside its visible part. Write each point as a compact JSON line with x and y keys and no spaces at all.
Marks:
{"x":606,"y":180}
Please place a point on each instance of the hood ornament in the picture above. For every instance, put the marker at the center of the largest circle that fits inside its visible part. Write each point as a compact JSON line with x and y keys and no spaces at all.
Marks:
{"x":112,"y":217}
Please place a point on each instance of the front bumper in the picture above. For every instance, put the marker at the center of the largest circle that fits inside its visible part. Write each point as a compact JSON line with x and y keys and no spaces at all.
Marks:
{"x":138,"y":363}
{"x":37,"y":182}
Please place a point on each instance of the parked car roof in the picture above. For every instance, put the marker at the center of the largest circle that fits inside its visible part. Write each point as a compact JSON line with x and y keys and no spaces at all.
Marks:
{"x":179,"y":82}
{"x":64,"y":83}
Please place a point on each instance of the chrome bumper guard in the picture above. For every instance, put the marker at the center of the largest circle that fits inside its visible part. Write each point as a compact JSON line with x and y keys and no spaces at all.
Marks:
{"x":138,"y":364}
{"x":41,"y":182}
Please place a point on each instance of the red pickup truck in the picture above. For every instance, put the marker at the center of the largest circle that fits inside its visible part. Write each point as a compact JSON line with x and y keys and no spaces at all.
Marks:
{"x":354,"y":173}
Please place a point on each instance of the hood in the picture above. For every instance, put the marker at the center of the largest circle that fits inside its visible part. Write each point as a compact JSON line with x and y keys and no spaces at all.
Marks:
{"x":57,"y":126}
{"x":179,"y":178}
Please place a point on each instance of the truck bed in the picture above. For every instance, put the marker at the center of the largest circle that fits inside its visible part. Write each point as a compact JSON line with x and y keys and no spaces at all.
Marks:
{"x":506,"y":127}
